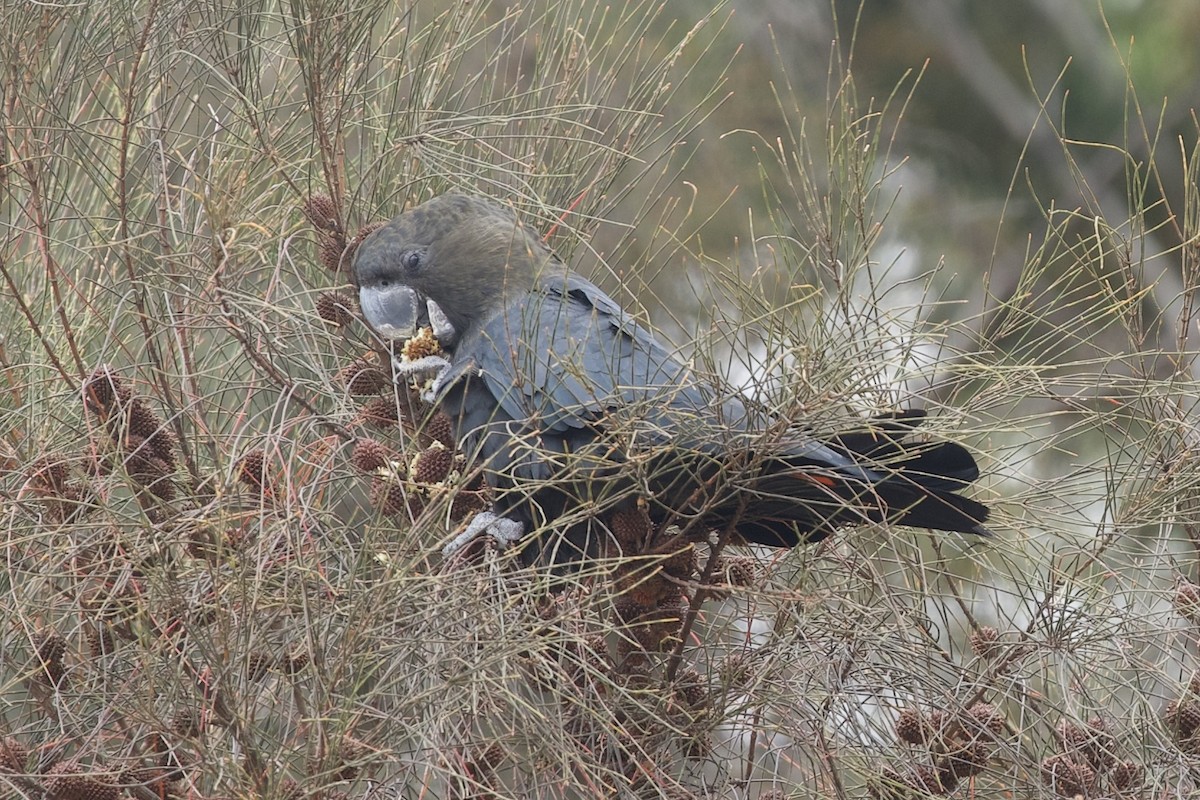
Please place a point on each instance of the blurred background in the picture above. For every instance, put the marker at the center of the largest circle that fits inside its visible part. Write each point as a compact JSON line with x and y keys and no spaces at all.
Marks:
{"x":999,"y":86}
{"x":221,"y":581}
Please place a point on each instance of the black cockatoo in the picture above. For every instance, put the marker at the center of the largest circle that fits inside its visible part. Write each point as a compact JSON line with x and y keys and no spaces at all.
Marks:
{"x":573,"y":410}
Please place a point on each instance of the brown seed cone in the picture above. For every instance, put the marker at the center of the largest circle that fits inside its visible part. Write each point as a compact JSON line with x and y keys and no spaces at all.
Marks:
{"x":913,"y":726}
{"x":985,"y":717}
{"x":258,"y":662}
{"x":595,"y":648}
{"x":929,"y":727}
{"x":1187,"y":600}
{"x":485,"y":760}
{"x":336,"y":308}
{"x":387,"y":496}
{"x":288,"y":789}
{"x":475,"y":551}
{"x":110,"y":604}
{"x":738,"y":570}
{"x":644,"y":589}
{"x":660,"y":635}
{"x":439,"y":429}
{"x":476,"y":481}
{"x":361,"y":378}
{"x":367,"y":230}
{"x":103,"y":389}
{"x":13,"y":756}
{"x":985,"y":642}
{"x":163,"y":488}
{"x":887,"y":785}
{"x":631,"y":527}
{"x":100,"y":639}
{"x":49,"y":648}
{"x":1068,"y":776}
{"x":465,"y":503}
{"x":682,"y":563}
{"x":142,"y":422}
{"x":923,"y":781}
{"x":964,"y":762}
{"x":350,"y":756}
{"x":72,"y":502}
{"x":369,"y":455}
{"x":1127,"y":776}
{"x":380,"y":412}
{"x":1101,"y":750}
{"x":392,"y":498}
{"x":322,"y":212}
{"x":336,"y":252}
{"x":945,"y":732}
{"x":49,"y":475}
{"x":691,"y":688}
{"x":168,"y":760}
{"x":156,"y":742}
{"x":294,"y":660}
{"x":433,"y":465}
{"x":67,"y":780}
{"x":736,"y":669}
{"x":627,"y":609}
{"x":631,"y":657}
{"x":202,"y":540}
{"x":252,"y":472}
{"x":672,"y":607}
{"x":98,"y":463}
{"x":146,"y":469}
{"x":421,"y":345}
{"x":331,"y":251}
{"x":1181,"y":718}
{"x":157,"y":780}
{"x":648,"y":637}
{"x":541,"y":671}
{"x":138,"y":458}
{"x":1091,"y":742}
{"x":929,"y":780}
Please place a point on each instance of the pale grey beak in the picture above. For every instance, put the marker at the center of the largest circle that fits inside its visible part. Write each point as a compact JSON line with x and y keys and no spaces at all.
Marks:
{"x":393,"y":311}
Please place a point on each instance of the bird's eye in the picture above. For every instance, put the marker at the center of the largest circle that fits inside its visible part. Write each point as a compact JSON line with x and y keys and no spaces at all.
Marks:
{"x":411,"y":261}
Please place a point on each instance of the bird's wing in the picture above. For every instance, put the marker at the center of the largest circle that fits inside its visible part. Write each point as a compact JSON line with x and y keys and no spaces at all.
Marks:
{"x":566,"y":356}
{"x":564,"y":378}
{"x":564,"y":362}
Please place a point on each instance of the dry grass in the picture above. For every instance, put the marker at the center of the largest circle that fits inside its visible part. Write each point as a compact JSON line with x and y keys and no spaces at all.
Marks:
{"x":223,"y":522}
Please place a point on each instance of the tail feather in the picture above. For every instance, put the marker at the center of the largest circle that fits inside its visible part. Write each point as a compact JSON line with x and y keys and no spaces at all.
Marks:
{"x":944,"y":466}
{"x":882,"y":437}
{"x":906,"y":483}
{"x":921,"y":507}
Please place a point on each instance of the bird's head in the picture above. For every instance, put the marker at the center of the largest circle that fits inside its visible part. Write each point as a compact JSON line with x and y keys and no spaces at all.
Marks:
{"x":464,"y":253}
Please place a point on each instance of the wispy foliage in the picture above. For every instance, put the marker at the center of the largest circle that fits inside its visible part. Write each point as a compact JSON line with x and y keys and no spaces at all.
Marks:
{"x":223,"y":521}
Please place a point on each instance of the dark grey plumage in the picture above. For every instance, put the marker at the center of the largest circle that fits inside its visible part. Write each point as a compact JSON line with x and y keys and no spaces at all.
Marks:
{"x":574,"y":409}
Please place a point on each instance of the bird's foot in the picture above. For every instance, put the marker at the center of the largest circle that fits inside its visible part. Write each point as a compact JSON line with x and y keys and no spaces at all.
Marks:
{"x":420,"y":366}
{"x":505,"y":531}
{"x":435,"y":366}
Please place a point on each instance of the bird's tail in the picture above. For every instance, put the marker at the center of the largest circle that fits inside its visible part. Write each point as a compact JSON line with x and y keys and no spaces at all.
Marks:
{"x":867,"y":475}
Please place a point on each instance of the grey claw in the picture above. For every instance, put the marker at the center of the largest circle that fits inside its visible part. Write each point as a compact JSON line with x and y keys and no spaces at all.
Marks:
{"x":485,"y":523}
{"x":407,"y":369}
